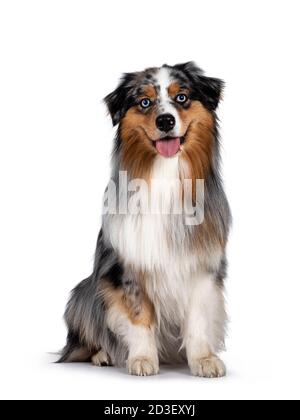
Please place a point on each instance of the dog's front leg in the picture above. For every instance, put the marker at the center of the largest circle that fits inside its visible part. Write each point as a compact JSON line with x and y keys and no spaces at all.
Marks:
{"x":131,"y":317}
{"x":143,"y":357}
{"x":204,"y":328}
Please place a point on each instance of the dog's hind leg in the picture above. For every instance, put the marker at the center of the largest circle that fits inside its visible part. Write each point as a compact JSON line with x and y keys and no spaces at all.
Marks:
{"x":101,"y":359}
{"x":74,"y":351}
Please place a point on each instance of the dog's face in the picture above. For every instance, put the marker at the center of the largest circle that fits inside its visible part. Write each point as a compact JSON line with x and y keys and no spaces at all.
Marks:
{"x":162,"y":110}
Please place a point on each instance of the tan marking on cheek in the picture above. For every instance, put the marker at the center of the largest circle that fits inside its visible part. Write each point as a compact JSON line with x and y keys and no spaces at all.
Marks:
{"x":196,"y":113}
{"x":136,"y":306}
{"x":196,"y":161}
{"x":137,"y":151}
{"x":197,"y":125}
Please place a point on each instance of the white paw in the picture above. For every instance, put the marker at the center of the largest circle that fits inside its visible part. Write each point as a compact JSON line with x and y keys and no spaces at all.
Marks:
{"x":208,"y":367}
{"x":142,"y":366}
{"x":101,"y":359}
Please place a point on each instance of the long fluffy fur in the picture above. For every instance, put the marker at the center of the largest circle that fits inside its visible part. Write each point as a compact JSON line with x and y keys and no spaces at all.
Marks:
{"x":150,"y":270}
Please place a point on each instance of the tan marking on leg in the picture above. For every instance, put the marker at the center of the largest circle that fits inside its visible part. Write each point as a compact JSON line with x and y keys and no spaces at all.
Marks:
{"x":131,"y":317}
{"x":136,"y":306}
{"x":78,"y":355}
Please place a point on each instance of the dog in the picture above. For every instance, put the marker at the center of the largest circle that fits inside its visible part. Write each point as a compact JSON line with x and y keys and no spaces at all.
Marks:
{"x":156,"y":293}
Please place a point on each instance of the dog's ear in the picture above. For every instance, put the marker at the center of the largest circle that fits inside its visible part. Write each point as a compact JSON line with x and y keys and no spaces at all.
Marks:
{"x":119,"y":100}
{"x":207,"y":90}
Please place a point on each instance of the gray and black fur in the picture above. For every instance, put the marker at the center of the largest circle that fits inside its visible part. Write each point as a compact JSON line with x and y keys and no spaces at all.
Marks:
{"x":86,"y":313}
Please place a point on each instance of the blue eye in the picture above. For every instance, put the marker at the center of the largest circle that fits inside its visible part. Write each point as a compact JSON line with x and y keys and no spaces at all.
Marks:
{"x":181,"y":98}
{"x":145,"y":103}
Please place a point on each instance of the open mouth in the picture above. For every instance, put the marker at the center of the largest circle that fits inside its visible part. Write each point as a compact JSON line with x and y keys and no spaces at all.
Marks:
{"x":168,"y":146}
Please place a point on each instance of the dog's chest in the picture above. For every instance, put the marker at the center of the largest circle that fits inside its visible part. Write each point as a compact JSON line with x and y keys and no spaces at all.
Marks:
{"x":153,"y":240}
{"x":157,"y":246}
{"x":145,"y":246}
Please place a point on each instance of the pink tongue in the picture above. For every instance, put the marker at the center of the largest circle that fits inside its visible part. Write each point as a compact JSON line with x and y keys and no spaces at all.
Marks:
{"x":168,"y":148}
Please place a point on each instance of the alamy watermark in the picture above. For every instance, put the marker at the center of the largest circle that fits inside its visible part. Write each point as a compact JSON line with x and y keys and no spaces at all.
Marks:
{"x":158,"y":197}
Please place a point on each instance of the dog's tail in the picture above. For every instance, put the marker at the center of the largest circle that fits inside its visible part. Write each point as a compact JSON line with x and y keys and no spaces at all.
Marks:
{"x":74,"y":351}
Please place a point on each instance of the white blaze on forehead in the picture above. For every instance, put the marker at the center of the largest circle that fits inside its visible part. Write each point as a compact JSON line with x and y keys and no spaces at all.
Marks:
{"x":163,"y":81}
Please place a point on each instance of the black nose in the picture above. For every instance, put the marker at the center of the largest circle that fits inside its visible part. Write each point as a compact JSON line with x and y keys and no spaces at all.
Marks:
{"x":165,"y":122}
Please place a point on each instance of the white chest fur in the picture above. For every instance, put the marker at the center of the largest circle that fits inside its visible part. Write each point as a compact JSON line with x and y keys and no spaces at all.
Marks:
{"x":145,"y":240}
{"x":155,"y":244}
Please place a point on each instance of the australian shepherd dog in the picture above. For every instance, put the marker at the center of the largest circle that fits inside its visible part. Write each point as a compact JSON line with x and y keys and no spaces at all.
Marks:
{"x":156,"y":291}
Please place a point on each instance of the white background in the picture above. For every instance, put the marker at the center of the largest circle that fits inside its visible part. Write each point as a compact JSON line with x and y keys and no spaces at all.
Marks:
{"x":58,"y":60}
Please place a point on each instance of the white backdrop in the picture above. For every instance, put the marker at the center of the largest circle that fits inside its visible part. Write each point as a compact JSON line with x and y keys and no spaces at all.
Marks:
{"x":58,"y":60}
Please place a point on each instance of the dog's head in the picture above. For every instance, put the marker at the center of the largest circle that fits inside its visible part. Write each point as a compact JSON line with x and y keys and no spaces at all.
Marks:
{"x":166,"y":111}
